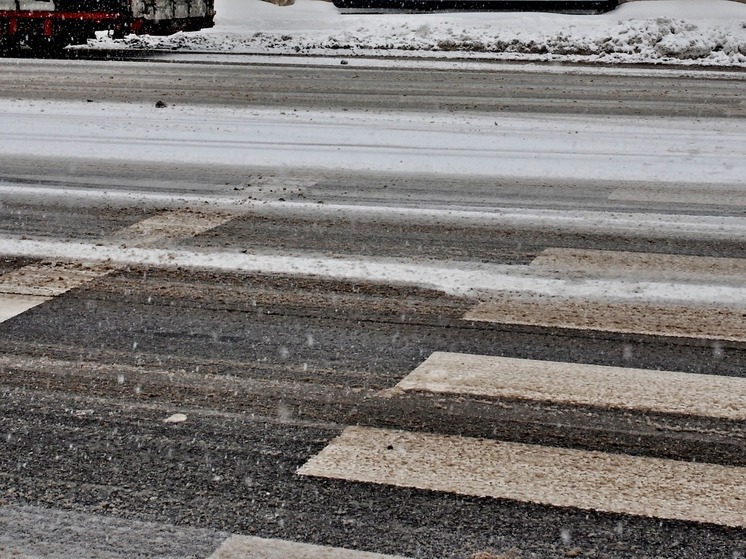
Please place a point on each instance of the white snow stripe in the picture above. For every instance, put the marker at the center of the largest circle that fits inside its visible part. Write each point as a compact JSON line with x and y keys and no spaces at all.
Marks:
{"x":579,"y":384}
{"x":248,"y":547}
{"x":715,"y":323}
{"x":604,"y":262}
{"x":13,"y":305}
{"x":641,"y":224}
{"x":712,"y":197}
{"x":444,"y":64}
{"x":72,"y":196}
{"x":563,"y":477}
{"x":465,"y":278}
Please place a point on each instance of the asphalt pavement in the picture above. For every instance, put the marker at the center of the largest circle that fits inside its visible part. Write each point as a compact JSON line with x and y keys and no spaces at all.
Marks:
{"x":157,"y":406}
{"x":298,"y":85}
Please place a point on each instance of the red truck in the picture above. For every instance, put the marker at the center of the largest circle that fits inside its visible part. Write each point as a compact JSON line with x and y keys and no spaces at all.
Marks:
{"x":50,"y":25}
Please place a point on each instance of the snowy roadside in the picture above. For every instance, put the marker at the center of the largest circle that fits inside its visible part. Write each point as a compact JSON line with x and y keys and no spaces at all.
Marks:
{"x":681,"y":32}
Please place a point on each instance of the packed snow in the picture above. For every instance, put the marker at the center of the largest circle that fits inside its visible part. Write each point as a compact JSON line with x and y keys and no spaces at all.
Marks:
{"x":684,"y":32}
{"x":452,"y":277}
{"x":677,"y":151}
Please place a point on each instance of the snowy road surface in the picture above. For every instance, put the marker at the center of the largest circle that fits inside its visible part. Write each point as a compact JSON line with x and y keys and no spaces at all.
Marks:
{"x":276,"y":374}
{"x":480,"y":121}
{"x":269,"y":317}
{"x":542,"y":146}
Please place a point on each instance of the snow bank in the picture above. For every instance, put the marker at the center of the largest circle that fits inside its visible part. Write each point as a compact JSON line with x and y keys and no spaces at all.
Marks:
{"x":655,"y":31}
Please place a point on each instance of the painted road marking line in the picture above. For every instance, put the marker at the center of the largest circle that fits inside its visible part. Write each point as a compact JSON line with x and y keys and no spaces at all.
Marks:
{"x":578,"y":384}
{"x":31,"y":532}
{"x":589,"y":480}
{"x":13,"y":305}
{"x":32,"y":285}
{"x":717,"y":323}
{"x":247,"y":547}
{"x":713,"y":197}
{"x":34,"y":532}
{"x":171,"y":225}
{"x":51,"y":278}
{"x":599,"y":262}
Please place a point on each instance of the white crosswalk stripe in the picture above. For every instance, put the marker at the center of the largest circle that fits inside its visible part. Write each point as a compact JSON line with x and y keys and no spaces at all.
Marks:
{"x":577,"y":384}
{"x":713,"y":196}
{"x":50,"y":279}
{"x":32,"y":285}
{"x":650,"y":265}
{"x":245,"y":547}
{"x":12,"y":305}
{"x":711,"y":323}
{"x":171,"y":225}
{"x":546,"y":475}
{"x":626,"y":315}
{"x":661,"y":318}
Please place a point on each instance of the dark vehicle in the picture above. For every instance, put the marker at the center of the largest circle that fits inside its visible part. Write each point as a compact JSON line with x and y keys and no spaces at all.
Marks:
{"x":49,"y":25}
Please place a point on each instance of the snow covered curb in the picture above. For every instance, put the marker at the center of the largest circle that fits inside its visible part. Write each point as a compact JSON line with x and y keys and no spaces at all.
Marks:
{"x":663,"y":31}
{"x":661,"y":40}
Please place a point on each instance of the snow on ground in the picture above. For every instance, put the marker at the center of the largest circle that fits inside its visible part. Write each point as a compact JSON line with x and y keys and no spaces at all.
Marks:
{"x":455,"y":278}
{"x":692,"y":32}
{"x":681,"y":151}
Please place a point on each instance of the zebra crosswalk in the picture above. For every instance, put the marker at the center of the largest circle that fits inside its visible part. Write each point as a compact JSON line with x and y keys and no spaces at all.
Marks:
{"x":563,"y":477}
{"x":34,"y":284}
{"x":645,"y":486}
{"x":648,"y":485}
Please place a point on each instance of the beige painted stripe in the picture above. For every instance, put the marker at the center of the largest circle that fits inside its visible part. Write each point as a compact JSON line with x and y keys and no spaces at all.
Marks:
{"x":27,"y":287}
{"x":50,"y":279}
{"x":601,"y":262}
{"x":570,"y":383}
{"x":171,"y":225}
{"x":13,"y":305}
{"x":712,"y":197}
{"x":245,"y":547}
{"x":657,"y":320}
{"x":564,"y":477}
